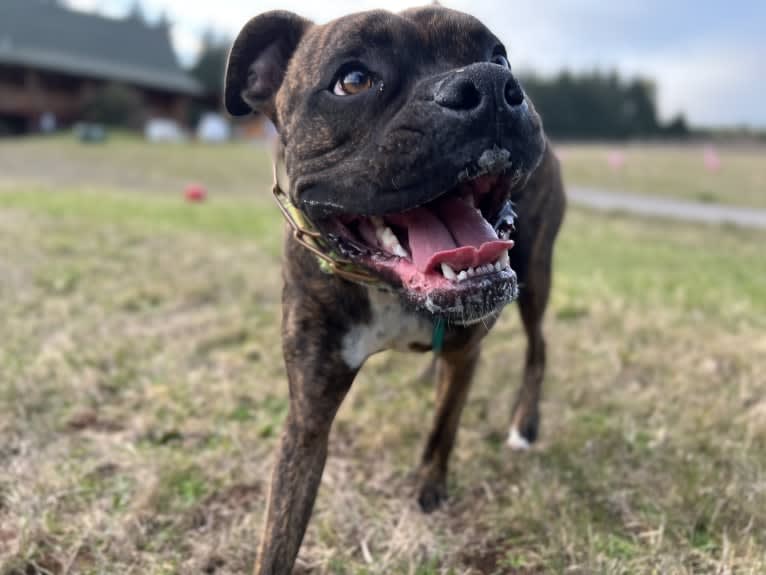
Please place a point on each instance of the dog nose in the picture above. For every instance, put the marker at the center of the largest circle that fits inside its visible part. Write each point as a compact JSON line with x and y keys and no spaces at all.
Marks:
{"x":514,"y":95}
{"x":458,"y":93}
{"x":472,"y":87}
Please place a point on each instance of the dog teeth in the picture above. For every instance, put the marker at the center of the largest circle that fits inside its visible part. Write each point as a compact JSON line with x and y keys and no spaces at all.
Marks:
{"x":400,"y":251}
{"x":448,"y":272}
{"x":451,"y":274}
{"x":388,"y":239}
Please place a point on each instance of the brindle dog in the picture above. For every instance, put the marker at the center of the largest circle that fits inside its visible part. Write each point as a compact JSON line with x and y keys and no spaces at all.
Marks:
{"x":412,"y":152}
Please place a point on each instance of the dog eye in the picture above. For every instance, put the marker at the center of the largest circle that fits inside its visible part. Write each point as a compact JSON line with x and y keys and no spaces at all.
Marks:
{"x":501,"y":60}
{"x":353,"y":82}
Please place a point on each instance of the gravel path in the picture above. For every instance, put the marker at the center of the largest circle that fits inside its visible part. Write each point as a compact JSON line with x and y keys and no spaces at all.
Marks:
{"x":667,"y":208}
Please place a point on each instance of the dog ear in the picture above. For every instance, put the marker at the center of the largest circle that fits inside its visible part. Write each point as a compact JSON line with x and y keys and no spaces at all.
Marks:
{"x":258,"y":60}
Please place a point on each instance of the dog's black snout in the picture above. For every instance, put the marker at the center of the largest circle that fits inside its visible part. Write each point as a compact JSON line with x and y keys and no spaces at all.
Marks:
{"x":514,"y":95}
{"x":458,"y":93}
{"x":479,"y":87}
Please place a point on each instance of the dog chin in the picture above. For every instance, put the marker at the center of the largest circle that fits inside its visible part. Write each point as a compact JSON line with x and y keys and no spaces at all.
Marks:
{"x":475,"y":301}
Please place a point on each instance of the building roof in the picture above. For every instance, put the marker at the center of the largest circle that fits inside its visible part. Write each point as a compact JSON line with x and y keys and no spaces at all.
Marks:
{"x":45,"y":35}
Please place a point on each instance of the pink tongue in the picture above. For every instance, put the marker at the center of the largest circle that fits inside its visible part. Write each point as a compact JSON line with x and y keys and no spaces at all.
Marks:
{"x":466,"y":224}
{"x":426,"y":233}
{"x":459,"y":236}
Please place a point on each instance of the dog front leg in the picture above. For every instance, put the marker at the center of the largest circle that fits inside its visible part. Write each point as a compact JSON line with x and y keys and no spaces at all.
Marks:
{"x":317,"y":387}
{"x":525,"y":418}
{"x":454,"y":373}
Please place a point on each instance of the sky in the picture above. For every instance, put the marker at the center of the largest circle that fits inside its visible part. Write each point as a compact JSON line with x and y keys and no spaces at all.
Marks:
{"x":707,"y":57}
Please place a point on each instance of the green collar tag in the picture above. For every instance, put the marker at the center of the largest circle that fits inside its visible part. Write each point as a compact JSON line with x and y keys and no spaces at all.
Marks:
{"x":437,"y":341}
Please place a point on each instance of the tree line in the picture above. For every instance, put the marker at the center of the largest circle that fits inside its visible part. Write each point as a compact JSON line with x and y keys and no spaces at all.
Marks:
{"x":599,"y":106}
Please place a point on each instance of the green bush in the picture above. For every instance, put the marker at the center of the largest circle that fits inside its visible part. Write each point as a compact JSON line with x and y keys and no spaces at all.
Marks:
{"x":115,"y":105}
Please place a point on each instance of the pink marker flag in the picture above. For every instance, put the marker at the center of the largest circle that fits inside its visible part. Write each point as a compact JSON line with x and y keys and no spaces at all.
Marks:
{"x":711,"y":159}
{"x":616,"y":160}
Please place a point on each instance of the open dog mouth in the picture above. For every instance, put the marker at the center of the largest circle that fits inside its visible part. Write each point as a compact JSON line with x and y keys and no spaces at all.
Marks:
{"x":443,"y":251}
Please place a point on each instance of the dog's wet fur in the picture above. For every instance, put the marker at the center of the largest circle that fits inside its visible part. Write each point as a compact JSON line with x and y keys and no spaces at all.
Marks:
{"x":442,"y":110}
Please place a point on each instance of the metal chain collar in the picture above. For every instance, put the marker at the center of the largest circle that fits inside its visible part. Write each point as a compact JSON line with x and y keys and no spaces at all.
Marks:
{"x":306,"y":235}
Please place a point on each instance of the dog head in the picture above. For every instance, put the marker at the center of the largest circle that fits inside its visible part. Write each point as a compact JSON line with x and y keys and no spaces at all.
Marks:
{"x":401,"y":137}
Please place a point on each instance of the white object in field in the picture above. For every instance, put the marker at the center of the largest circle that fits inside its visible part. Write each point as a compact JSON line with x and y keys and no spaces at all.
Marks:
{"x":163,"y":130}
{"x":213,"y":128}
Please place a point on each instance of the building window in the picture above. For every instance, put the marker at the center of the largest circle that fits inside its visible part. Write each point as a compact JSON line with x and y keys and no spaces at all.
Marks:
{"x":11,"y":76}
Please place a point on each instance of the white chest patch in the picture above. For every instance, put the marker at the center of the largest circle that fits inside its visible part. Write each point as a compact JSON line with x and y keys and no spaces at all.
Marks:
{"x":390,"y":328}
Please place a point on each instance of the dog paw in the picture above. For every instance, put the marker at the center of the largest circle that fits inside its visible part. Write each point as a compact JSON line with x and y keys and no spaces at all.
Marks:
{"x":517,"y":441}
{"x":523,"y":433}
{"x":431,"y":496}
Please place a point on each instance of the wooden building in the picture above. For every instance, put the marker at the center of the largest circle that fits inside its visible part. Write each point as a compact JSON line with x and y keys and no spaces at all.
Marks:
{"x":53,"y":60}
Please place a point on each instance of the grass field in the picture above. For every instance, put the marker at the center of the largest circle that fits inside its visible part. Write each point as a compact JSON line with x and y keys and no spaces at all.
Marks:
{"x":142,"y":392}
{"x":674,"y":171}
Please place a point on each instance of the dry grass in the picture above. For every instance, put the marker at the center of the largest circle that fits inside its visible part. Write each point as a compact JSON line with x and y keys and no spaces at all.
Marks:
{"x":142,"y":392}
{"x":127,"y":163}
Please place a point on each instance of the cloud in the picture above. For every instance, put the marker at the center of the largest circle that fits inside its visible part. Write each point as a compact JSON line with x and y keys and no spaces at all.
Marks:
{"x":187,"y":44}
{"x":712,"y":83}
{"x":113,"y":8}
{"x":703,"y":58}
{"x":84,"y":5}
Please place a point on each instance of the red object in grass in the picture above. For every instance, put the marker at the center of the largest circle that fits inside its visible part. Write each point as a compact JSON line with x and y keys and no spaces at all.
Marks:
{"x":195,"y":193}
